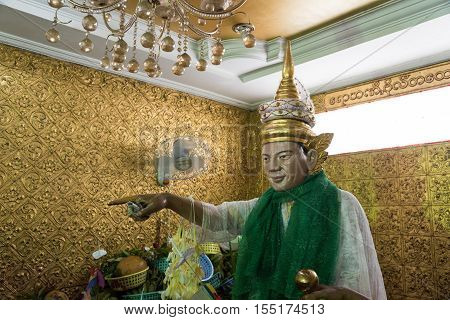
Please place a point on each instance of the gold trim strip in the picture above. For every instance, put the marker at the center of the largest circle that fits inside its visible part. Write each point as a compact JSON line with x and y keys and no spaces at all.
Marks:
{"x":421,"y":79}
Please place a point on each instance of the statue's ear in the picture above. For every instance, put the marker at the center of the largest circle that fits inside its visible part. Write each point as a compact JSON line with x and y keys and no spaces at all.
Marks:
{"x":311,"y":159}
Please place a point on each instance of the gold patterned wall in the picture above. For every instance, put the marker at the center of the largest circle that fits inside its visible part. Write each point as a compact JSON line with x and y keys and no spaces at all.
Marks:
{"x":71,"y":139}
{"x":405,"y":194}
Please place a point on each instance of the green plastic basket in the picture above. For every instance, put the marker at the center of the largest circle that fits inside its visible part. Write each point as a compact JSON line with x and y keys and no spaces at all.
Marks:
{"x":156,"y":295}
{"x":162,"y":264}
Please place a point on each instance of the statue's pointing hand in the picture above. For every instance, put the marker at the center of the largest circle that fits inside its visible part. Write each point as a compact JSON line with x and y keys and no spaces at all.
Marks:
{"x":141,"y":206}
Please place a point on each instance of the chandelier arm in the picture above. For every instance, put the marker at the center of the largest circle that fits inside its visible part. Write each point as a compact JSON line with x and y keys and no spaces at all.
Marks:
{"x":119,"y":31}
{"x":105,"y":20}
{"x":209,"y":15}
{"x":88,"y":9}
{"x":163,"y":30}
{"x":241,"y":12}
{"x":196,"y":30}
{"x":57,"y":19}
{"x":107,"y":39}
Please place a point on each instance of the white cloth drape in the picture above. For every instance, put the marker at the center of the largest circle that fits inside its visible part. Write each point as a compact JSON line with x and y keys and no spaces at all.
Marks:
{"x":357,"y":266}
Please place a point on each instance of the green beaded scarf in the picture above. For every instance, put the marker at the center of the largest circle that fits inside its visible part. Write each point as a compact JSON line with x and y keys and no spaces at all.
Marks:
{"x":269,"y":257}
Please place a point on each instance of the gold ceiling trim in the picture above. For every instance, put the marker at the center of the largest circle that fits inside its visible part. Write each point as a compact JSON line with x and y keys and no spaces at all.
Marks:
{"x":430,"y":77}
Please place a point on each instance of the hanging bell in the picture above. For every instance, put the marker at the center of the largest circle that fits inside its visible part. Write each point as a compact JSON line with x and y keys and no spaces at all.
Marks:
{"x":120,"y":58}
{"x":249,"y":40}
{"x":144,"y":10}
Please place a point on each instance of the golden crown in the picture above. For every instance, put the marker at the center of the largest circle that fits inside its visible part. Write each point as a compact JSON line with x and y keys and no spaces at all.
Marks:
{"x":290,"y":116}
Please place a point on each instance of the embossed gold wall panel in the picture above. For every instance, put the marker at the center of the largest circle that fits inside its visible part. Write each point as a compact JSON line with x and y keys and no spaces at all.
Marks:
{"x":72,"y":139}
{"x":405,"y":193}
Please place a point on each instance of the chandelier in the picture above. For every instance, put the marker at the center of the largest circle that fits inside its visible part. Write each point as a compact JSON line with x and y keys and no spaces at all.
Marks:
{"x":173,"y":15}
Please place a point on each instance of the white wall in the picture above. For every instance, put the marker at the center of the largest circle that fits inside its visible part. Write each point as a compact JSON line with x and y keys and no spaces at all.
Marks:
{"x":406,"y":120}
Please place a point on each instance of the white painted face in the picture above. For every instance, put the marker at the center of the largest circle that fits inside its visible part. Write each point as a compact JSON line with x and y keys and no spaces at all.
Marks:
{"x":286,"y":165}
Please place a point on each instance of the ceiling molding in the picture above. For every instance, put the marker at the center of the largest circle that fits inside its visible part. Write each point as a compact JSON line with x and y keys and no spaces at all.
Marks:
{"x":387,"y":18}
{"x":83,"y":60}
{"x":274,"y":49}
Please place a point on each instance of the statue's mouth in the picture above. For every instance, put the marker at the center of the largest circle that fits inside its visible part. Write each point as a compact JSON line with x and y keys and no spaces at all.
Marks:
{"x":277,"y":179}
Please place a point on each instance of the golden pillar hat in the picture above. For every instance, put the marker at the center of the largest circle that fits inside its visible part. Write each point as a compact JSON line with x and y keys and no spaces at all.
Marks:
{"x":290,"y":116}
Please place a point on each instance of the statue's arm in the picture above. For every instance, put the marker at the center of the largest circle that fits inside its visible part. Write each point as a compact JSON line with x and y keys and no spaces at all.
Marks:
{"x":152,"y":203}
{"x":221,"y":223}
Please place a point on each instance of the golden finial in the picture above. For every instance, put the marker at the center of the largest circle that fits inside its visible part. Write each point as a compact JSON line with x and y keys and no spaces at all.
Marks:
{"x":287,"y":88}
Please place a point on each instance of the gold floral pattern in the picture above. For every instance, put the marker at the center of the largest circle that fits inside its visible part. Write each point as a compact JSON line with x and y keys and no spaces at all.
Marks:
{"x":406,"y":199}
{"x":72,"y":139}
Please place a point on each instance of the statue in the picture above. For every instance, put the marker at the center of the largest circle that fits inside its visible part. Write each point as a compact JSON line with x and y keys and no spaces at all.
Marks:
{"x":302,"y":222}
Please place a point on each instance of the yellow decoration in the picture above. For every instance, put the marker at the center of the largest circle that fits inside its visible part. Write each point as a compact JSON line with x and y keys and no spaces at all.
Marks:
{"x":184,"y":273}
{"x":210,"y":248}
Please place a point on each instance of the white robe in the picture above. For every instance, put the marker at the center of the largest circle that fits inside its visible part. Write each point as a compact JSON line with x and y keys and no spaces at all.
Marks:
{"x":357,"y":266}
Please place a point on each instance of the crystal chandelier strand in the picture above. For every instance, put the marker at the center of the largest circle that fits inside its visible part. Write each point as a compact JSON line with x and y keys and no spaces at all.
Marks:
{"x":207,"y":15}
{"x":93,"y":9}
{"x":196,"y":30}
{"x":170,"y":11}
{"x":120,"y":31}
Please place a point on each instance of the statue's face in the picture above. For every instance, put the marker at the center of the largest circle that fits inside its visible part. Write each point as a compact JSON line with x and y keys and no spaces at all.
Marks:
{"x":286,"y":164}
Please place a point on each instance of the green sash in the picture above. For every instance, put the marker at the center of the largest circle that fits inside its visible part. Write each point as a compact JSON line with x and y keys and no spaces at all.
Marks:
{"x":269,"y":257}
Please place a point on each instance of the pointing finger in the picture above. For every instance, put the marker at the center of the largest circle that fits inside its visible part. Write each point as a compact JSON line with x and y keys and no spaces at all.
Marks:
{"x":123,"y":200}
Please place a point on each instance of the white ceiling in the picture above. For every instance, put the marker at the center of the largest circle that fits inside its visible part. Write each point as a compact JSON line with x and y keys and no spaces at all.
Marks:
{"x":23,"y":24}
